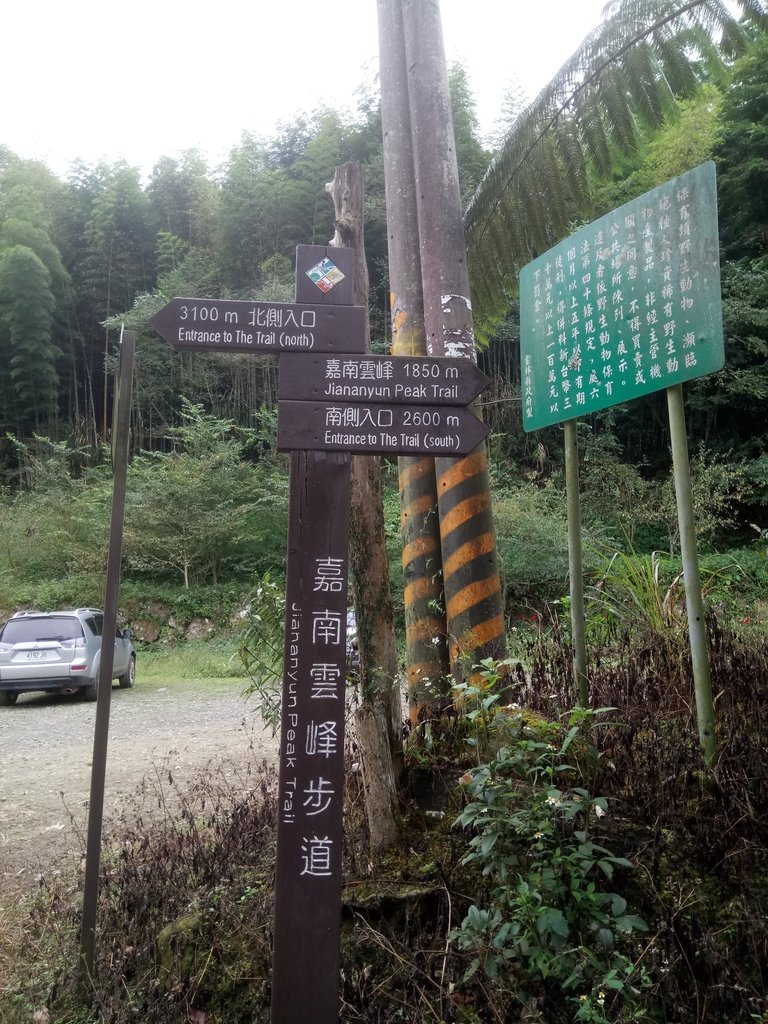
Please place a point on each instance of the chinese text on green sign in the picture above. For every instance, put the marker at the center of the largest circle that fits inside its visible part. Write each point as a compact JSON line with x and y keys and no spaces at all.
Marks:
{"x":628,"y":305}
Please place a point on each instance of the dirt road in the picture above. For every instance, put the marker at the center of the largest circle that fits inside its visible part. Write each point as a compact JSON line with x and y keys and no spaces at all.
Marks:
{"x":46,"y":746}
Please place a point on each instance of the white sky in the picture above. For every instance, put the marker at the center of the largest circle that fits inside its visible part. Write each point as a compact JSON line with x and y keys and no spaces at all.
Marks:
{"x":141,"y":79}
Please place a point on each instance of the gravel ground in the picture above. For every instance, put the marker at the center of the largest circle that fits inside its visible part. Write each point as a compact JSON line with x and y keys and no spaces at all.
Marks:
{"x":46,"y":746}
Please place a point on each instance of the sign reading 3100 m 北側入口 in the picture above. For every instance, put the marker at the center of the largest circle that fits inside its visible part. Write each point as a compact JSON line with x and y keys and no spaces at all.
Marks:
{"x":628,"y":305}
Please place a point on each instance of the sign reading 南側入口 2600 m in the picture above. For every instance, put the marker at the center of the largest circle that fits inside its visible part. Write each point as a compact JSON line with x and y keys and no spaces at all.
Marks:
{"x":628,"y":305}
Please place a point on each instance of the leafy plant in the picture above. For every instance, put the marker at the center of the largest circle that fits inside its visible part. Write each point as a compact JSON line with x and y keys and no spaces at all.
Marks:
{"x":480,"y":699}
{"x":551,"y":913}
{"x":261,"y":647}
{"x":531,"y":535}
{"x":633,"y":589}
{"x":647,"y":592}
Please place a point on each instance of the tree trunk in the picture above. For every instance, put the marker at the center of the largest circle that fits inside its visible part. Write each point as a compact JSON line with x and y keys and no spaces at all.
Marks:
{"x":379,"y":684}
{"x":426,"y":633}
{"x":379,"y":786}
{"x":473,"y":599}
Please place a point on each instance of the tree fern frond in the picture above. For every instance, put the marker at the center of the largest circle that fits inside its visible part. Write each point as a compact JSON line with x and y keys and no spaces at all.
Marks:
{"x":573,"y":161}
{"x":546,"y":179}
{"x":617,"y":110}
{"x":755,"y":12}
{"x":648,"y":87}
{"x":627,"y":70}
{"x":589,"y":120}
{"x":673,"y":57}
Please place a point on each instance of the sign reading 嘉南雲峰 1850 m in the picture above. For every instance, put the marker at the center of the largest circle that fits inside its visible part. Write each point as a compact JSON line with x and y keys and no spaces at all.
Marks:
{"x":628,"y":305}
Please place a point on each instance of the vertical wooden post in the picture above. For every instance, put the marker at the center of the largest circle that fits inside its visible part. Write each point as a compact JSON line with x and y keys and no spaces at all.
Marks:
{"x":369,"y":564}
{"x":575,"y":563}
{"x":426,"y":633}
{"x":379,"y":719}
{"x":307,"y":928}
{"x":694,"y":600}
{"x":109,"y":630}
{"x":474,"y":604}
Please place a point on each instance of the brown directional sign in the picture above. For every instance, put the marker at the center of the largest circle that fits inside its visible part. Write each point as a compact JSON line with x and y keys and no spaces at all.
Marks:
{"x":305,"y":976}
{"x":383,"y":429}
{"x":307,"y":928}
{"x":390,"y":379}
{"x":236,"y":325}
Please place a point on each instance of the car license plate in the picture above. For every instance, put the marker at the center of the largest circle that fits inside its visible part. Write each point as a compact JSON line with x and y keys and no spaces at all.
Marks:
{"x":37,"y":655}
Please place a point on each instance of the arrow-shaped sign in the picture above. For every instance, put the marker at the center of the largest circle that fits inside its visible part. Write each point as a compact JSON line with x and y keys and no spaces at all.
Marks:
{"x":237,"y":325}
{"x":383,"y":429}
{"x":403,"y":380}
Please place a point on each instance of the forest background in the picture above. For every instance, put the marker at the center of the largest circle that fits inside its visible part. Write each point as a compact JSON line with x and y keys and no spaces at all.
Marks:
{"x":80,"y":256}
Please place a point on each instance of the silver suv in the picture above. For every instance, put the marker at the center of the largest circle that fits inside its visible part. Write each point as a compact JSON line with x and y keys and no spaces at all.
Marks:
{"x":59,"y":651}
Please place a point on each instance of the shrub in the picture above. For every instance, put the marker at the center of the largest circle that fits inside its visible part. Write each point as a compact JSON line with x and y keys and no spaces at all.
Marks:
{"x":550,"y":920}
{"x":532,"y":542}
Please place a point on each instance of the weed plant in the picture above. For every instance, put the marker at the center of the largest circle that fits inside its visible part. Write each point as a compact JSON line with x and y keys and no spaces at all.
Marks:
{"x":549,"y":928}
{"x":698,"y":836}
{"x":525,"y":901}
{"x":195,"y":659}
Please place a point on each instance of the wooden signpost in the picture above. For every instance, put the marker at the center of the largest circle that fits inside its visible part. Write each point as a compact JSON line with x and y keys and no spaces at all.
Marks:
{"x":307,"y":927}
{"x":371,"y":378}
{"x":233,"y":325}
{"x":378,"y":429}
{"x":334,"y":400}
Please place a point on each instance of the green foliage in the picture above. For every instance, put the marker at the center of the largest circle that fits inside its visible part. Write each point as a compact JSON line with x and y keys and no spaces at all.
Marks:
{"x":743,"y":154}
{"x":26,"y":344}
{"x":203,"y":513}
{"x":532,"y":541}
{"x":261,"y":647}
{"x":195,"y":660}
{"x":550,"y":917}
{"x":717,"y":487}
{"x":644,"y":595}
{"x":55,"y":529}
{"x":202,"y":510}
{"x":18,"y":231}
{"x":689,"y":137}
{"x":728,"y":408}
{"x":636,"y":591}
{"x":614,"y":494}
{"x":480,"y":700}
{"x":182,"y":200}
{"x":624,"y":77}
{"x":119,"y":248}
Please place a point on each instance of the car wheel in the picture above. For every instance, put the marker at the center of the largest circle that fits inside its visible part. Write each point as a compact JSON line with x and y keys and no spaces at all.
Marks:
{"x":7,"y":698}
{"x":129,"y":678}
{"x":90,"y":692}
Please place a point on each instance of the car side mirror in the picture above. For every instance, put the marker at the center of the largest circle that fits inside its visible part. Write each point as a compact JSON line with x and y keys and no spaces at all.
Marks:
{"x":127,"y":634}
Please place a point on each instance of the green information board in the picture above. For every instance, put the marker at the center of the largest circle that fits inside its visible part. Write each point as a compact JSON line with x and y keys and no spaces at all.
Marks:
{"x":628,"y":305}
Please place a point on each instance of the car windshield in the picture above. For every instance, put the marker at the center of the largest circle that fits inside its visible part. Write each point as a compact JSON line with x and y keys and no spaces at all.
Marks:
{"x":36,"y":630}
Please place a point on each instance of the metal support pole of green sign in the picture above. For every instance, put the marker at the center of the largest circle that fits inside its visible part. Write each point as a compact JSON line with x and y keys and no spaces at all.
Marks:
{"x":575,"y":563}
{"x":111,"y":591}
{"x":697,"y":627}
